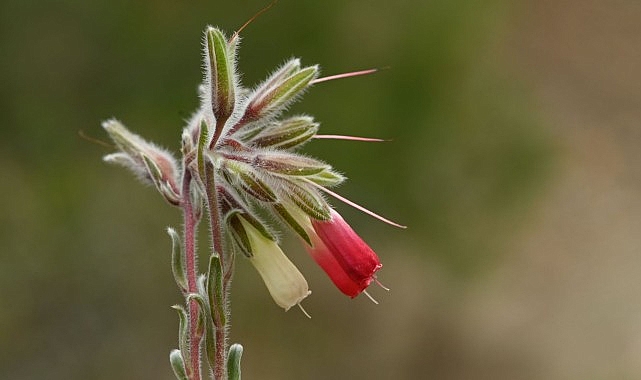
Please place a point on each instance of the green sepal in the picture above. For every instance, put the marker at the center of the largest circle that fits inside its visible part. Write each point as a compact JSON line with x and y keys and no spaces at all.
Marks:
{"x":290,"y":164}
{"x":183,"y":331}
{"x":255,"y":222}
{"x":308,"y":200}
{"x":210,"y":337}
{"x":292,"y":86}
{"x":327,"y":177}
{"x":159,"y":180}
{"x":278,"y":96}
{"x":215,"y":289}
{"x":287,"y":134}
{"x":292,"y":222}
{"x":289,"y":68}
{"x":256,"y":187}
{"x":233,"y":361}
{"x":238,"y":232}
{"x":221,"y":64}
{"x":251,"y":130}
{"x":178,"y":365}
{"x":177,"y":260}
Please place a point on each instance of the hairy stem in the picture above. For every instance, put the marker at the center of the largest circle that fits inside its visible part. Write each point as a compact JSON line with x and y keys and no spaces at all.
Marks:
{"x":220,"y":322}
{"x":191,"y":263}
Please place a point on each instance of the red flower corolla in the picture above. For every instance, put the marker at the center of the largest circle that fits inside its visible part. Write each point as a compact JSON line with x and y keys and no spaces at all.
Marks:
{"x":348,"y":261}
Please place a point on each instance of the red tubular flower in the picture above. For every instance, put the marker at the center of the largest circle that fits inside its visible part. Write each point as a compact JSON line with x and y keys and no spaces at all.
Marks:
{"x":348,"y":261}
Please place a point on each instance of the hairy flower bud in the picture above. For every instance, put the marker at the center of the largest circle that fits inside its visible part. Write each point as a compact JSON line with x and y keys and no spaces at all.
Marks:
{"x":279,"y":91}
{"x":220,"y":65}
{"x":147,"y":161}
{"x":286,"y":134}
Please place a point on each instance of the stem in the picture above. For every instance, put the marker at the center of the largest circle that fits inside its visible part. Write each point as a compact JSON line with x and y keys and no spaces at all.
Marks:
{"x":222,"y":330}
{"x":191,"y":263}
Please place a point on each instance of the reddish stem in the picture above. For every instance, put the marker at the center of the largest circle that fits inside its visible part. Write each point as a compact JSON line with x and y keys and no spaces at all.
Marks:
{"x":190,"y":258}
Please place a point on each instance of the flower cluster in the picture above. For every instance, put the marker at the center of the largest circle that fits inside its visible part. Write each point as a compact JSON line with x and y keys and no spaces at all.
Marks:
{"x":243,"y":158}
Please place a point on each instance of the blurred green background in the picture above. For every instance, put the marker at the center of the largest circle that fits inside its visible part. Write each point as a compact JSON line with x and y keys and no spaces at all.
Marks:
{"x":514,"y":160}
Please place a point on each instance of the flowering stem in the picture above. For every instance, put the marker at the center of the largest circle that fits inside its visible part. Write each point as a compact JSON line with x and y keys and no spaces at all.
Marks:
{"x":220,"y":322}
{"x":191,"y":264}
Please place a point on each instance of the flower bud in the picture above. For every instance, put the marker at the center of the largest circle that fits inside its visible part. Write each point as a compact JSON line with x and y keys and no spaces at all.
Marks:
{"x":287,"y":134}
{"x":276,"y":93}
{"x":147,"y":161}
{"x":243,"y":175}
{"x":220,"y":74}
{"x":284,"y":281}
{"x":289,"y":163}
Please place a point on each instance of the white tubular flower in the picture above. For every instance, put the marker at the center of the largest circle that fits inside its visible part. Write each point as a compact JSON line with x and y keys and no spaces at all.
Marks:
{"x":284,"y":281}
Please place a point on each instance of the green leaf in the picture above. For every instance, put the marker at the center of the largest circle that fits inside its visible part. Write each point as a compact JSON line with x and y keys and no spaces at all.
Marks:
{"x":202,"y":145}
{"x":178,"y":365}
{"x":210,"y":337}
{"x":215,"y":288}
{"x":183,"y":331}
{"x":177,"y":260}
{"x":233,"y":361}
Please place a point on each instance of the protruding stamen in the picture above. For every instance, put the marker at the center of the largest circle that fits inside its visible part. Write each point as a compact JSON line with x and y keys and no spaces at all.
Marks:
{"x":351,"y":138}
{"x":304,"y":311}
{"x":356,"y":206}
{"x":254,"y":17}
{"x":370,"y":297}
{"x":381,"y":285}
{"x":344,"y":75}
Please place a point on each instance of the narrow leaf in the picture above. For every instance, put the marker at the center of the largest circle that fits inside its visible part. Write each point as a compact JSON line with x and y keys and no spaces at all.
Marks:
{"x":210,"y":337}
{"x":202,"y":145}
{"x":215,"y":288}
{"x":233,"y":361}
{"x":183,"y":331}
{"x":178,"y":365}
{"x":177,"y":260}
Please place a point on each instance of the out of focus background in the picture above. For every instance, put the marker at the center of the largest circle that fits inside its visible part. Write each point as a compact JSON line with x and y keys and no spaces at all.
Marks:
{"x":514,"y":160}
